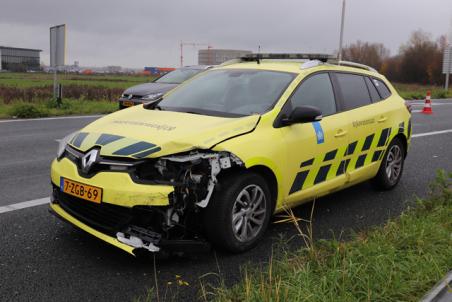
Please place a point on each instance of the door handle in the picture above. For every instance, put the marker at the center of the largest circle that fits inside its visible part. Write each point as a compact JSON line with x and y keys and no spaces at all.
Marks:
{"x":340,"y":133}
{"x":382,"y":119}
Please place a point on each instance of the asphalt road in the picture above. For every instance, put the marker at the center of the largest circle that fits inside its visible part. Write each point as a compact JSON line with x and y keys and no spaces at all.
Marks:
{"x":44,"y":259}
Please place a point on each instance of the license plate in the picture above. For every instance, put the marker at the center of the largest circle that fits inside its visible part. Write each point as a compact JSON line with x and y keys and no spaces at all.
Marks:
{"x":87,"y":192}
{"x":128,"y":103}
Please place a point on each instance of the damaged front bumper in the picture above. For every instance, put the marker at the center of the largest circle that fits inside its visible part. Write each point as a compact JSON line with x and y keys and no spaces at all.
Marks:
{"x":119,"y":229}
{"x":60,"y":213}
{"x":156,"y":205}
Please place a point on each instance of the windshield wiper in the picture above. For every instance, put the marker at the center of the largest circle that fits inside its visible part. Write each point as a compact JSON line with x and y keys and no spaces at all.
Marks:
{"x":153,"y":104}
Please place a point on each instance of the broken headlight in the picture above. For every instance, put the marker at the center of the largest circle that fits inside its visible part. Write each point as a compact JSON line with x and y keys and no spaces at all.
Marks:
{"x":193,"y":174}
{"x":63,"y":142}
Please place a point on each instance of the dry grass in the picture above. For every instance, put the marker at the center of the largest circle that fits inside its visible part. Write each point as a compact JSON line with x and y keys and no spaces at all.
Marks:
{"x":399,"y":261}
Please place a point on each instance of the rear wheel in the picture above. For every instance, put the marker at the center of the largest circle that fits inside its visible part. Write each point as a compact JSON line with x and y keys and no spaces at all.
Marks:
{"x":239,"y":212}
{"x":391,"y":167}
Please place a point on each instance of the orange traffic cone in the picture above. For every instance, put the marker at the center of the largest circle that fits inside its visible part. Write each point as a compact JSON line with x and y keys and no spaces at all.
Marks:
{"x":428,"y":104}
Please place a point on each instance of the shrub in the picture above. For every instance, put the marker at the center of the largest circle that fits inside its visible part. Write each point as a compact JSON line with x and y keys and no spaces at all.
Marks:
{"x":53,"y":104}
{"x":44,"y":93}
{"x":439,"y":94}
{"x":26,"y":111}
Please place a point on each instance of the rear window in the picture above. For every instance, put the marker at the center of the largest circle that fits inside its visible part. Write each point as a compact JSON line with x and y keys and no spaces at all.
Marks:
{"x":354,"y":90}
{"x":383,"y":90}
{"x":373,"y":91}
{"x":177,"y":76}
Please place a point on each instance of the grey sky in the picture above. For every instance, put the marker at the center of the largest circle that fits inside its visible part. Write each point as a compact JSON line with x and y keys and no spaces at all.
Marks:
{"x":139,"y":33}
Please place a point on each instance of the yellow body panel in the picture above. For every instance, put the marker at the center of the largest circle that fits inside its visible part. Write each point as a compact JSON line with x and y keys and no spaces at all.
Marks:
{"x":354,"y":144}
{"x":118,"y":188}
{"x":282,"y":150}
{"x":172,"y":132}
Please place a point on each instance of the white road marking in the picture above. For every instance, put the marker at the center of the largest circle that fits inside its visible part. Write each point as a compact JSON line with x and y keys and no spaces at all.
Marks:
{"x":432,"y":133}
{"x":51,"y":118}
{"x":41,"y":201}
{"x":433,"y":104}
{"x":24,"y":205}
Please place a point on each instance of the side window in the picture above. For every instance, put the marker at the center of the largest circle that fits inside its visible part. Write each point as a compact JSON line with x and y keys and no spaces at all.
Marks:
{"x":372,"y":90}
{"x":316,"y":91}
{"x":383,"y":90}
{"x":354,"y":90}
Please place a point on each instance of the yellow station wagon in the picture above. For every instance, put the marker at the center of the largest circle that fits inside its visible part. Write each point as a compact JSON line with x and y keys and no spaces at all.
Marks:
{"x":213,"y":159}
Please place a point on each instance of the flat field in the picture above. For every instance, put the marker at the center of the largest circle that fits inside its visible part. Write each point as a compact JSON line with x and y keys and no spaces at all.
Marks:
{"x":27,"y":95}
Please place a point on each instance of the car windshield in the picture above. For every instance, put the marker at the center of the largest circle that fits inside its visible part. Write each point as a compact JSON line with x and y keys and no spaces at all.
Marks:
{"x":229,"y":92}
{"x":177,"y":76}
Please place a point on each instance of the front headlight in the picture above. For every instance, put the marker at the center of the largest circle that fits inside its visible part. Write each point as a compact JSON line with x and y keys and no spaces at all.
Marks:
{"x":63,"y":142}
{"x":152,"y":96}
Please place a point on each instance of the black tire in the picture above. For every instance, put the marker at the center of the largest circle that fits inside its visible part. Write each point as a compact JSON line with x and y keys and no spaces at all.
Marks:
{"x":218,"y":215}
{"x":382,"y":180}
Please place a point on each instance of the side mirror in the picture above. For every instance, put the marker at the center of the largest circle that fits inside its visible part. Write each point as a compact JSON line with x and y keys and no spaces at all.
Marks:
{"x":303,"y":114}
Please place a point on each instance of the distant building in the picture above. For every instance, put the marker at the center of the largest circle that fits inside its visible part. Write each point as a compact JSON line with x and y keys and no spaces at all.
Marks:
{"x":217,"y":56}
{"x":113,"y":69}
{"x":19,"y":59}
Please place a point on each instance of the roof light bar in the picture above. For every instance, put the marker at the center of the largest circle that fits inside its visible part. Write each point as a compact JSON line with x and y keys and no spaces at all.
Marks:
{"x":287,"y":56}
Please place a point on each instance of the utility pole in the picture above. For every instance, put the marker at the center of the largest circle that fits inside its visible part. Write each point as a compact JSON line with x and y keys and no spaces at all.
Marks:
{"x":57,"y":56}
{"x":182,"y":44}
{"x":181,"y":54}
{"x":342,"y":31}
{"x":448,"y":64}
{"x":448,"y":57}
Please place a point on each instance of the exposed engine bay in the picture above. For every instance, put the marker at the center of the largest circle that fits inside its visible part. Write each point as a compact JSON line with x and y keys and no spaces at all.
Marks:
{"x":193,"y":176}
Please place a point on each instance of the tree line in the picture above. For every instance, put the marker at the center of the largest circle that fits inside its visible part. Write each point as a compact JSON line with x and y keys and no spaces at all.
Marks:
{"x":419,"y":60}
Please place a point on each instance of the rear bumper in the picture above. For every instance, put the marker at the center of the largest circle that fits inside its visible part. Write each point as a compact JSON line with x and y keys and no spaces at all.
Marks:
{"x":59,"y":212}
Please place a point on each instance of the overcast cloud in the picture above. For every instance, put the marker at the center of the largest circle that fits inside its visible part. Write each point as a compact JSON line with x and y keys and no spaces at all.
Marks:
{"x":137,"y":33}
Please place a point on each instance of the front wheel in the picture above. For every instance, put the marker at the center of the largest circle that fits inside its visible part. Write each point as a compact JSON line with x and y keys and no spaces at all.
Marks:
{"x":391,"y":167}
{"x":239,"y":212}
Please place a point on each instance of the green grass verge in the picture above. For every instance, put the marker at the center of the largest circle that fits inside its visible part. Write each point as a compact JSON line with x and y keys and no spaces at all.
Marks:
{"x":418,"y":92}
{"x":38,"y":79}
{"x":399,"y":261}
{"x":44,"y":109}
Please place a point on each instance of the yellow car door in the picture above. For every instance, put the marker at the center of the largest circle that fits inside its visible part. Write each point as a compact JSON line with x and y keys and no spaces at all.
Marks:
{"x":314,"y":150}
{"x":369,"y":124}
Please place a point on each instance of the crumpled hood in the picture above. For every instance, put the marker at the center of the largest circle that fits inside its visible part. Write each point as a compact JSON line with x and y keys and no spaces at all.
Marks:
{"x":140,"y":133}
{"x":149,"y":88}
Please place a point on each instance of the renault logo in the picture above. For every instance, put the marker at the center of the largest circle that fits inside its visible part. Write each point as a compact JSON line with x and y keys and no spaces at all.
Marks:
{"x":89,"y":159}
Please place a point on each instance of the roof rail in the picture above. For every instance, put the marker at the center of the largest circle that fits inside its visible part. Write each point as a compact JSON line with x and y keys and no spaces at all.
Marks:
{"x":317,"y":58}
{"x":353,"y":64}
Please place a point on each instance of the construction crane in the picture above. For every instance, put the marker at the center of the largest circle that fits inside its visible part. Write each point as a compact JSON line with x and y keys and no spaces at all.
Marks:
{"x":182,"y":44}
